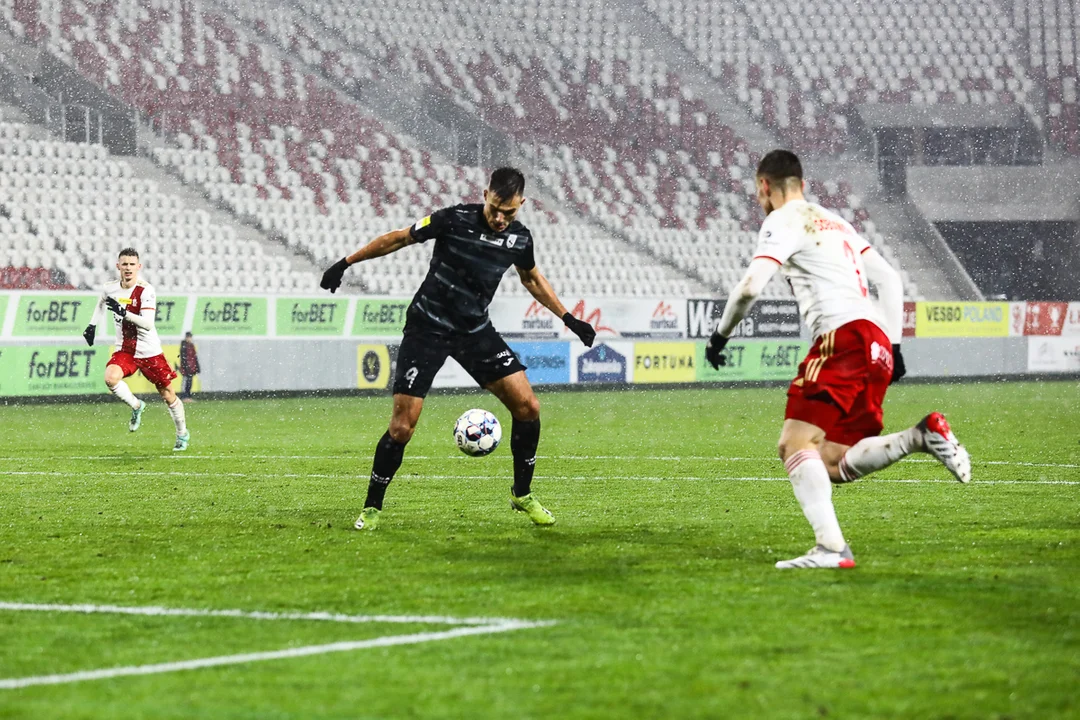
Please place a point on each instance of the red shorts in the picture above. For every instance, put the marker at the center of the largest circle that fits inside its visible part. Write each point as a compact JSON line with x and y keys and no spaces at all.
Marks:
{"x":155,"y":369}
{"x":842,"y":382}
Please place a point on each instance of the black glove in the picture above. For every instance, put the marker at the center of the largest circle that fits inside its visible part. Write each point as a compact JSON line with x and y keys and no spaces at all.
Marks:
{"x":119,"y":310}
{"x":331,"y":279}
{"x":89,"y":333}
{"x":899,"y":370}
{"x":580,"y":328}
{"x":714,"y":351}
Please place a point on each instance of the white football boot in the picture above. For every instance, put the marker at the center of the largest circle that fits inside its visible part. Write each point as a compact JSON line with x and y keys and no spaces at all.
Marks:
{"x":820,"y":557}
{"x":940,"y":442}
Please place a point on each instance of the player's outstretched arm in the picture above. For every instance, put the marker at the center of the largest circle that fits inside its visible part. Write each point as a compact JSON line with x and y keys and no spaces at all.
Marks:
{"x":539,"y":287}
{"x":890,"y":292}
{"x":382,"y":245}
{"x":738,"y":304}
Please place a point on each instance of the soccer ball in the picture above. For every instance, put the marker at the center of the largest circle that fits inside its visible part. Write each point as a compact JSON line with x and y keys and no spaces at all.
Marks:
{"x":477,"y":432}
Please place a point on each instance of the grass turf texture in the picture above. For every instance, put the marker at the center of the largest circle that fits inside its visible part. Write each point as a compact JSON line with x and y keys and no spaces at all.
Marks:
{"x":659,"y":573}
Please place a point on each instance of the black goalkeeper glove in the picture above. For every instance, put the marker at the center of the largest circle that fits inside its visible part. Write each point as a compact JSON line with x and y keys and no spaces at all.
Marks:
{"x":89,"y":333}
{"x":331,"y":279}
{"x":899,"y":370}
{"x":714,"y":351}
{"x":117,"y":309}
{"x":580,"y":328}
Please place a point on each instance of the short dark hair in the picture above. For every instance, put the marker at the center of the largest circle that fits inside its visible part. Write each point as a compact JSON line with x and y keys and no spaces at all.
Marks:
{"x":506,"y":183}
{"x":780,"y":165}
{"x":129,"y":251}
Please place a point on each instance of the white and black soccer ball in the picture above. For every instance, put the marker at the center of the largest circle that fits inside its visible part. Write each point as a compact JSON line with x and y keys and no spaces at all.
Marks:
{"x":477,"y":432}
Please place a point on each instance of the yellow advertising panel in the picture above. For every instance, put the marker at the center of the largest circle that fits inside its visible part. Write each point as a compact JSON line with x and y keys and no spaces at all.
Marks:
{"x":372,"y":366}
{"x":139,"y":384}
{"x":962,"y":319}
{"x":665,"y":362}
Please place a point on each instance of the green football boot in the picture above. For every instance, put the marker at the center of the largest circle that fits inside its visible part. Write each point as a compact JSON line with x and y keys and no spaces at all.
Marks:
{"x":136,"y":417}
{"x":532,"y":507}
{"x":368,"y":520}
{"x":182,"y":442}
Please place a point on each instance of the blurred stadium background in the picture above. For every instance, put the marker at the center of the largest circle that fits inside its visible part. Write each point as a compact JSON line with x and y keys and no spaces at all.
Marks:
{"x":244,"y":146}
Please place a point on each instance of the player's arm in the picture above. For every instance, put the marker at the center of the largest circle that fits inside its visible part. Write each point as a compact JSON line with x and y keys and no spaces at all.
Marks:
{"x":144,"y":319}
{"x":890,"y":292}
{"x":99,"y":312}
{"x":383,"y":245}
{"x":739,"y":302}
{"x":539,"y":287}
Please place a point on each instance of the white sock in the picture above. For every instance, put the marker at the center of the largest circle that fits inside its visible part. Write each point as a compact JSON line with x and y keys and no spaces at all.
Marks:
{"x":177,"y":412}
{"x":810,"y":480}
{"x":122,"y":391}
{"x":875,"y":453}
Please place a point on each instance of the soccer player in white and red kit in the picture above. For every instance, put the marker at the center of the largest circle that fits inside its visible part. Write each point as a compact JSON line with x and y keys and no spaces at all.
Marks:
{"x":132,"y":302}
{"x":834,"y":410}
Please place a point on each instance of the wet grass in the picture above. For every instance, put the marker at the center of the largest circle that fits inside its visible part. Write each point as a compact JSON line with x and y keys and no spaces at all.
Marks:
{"x":671,"y":509}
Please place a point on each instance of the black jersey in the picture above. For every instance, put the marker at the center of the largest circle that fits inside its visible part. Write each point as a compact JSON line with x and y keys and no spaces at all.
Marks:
{"x":467,"y":266}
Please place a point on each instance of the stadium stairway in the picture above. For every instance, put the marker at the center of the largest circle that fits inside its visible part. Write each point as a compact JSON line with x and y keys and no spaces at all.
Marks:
{"x":387,"y":107}
{"x":695,"y":77}
{"x":193,"y":197}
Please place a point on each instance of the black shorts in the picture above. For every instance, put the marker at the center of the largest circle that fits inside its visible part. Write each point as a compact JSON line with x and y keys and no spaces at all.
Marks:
{"x":483,"y":354}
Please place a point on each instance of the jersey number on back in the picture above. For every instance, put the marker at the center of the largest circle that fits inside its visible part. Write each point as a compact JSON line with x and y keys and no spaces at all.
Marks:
{"x":858,"y":273}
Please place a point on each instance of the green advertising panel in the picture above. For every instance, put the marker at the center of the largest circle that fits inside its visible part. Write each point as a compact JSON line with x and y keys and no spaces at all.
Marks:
{"x":52,"y":369}
{"x":54,"y":315}
{"x":229,"y":316}
{"x":755,"y":360}
{"x":169,"y":315}
{"x":379,"y":317}
{"x":307,"y":316}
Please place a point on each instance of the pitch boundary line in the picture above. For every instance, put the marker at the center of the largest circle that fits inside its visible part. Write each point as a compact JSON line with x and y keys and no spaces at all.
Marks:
{"x":466,"y":627}
{"x":645,"y":478}
{"x":157,"y":611}
{"x":622,"y":458}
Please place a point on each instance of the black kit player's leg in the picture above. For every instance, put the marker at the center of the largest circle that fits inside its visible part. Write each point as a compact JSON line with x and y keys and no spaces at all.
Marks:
{"x":517,"y":395}
{"x":390,"y":450}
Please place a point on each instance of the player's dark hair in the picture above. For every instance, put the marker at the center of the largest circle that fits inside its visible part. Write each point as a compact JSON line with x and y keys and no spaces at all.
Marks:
{"x":129,"y":252}
{"x":779,"y":166}
{"x":506,"y":183}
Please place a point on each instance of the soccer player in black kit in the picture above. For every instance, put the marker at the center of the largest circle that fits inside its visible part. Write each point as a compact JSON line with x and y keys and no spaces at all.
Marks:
{"x":474,"y":246}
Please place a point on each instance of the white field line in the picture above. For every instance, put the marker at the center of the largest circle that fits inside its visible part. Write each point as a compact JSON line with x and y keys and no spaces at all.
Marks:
{"x":643,"y":478}
{"x":388,"y":641}
{"x":152,"y":611}
{"x":621,"y":458}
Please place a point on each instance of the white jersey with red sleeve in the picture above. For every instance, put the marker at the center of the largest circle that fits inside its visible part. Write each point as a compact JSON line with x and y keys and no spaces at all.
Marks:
{"x":820,"y":255}
{"x":139,"y":299}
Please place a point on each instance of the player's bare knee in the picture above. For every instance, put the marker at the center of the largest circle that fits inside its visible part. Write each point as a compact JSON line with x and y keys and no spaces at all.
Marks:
{"x":401,"y":429}
{"x":528,"y":409}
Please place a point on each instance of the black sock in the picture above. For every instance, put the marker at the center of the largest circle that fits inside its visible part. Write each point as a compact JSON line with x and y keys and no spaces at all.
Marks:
{"x":524,"y":437}
{"x":388,"y":455}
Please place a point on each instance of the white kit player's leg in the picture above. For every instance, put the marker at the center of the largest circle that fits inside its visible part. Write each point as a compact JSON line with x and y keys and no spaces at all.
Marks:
{"x":122,"y":391}
{"x":813,"y":490}
{"x":875,"y":453}
{"x":931,"y":435}
{"x":176,"y":410}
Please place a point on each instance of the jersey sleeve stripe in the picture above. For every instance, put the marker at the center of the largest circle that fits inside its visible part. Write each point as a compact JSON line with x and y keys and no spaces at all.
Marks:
{"x":863,"y":251}
{"x":768,"y":257}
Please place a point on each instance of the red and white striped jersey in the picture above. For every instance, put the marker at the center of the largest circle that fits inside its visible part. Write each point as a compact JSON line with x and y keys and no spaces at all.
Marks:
{"x":139,"y":299}
{"x":820,"y":255}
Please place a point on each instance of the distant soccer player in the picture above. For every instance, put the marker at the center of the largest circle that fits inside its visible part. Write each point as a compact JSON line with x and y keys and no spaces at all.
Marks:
{"x":834,"y":409}
{"x":132,"y":304}
{"x":448,"y":317}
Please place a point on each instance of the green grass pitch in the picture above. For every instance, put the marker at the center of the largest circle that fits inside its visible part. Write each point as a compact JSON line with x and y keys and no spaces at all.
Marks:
{"x":671,"y":508}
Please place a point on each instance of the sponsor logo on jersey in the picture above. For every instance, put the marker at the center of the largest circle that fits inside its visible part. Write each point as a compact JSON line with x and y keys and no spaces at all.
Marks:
{"x":511,"y":240}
